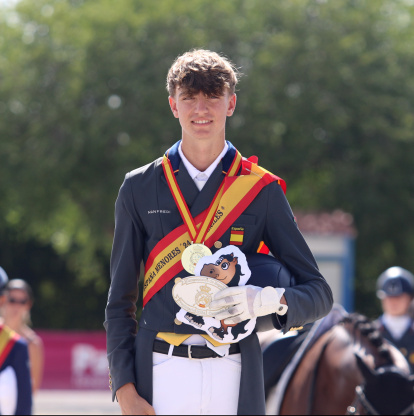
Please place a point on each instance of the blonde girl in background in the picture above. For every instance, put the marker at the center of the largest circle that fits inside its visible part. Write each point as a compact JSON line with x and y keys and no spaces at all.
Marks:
{"x":15,"y":314}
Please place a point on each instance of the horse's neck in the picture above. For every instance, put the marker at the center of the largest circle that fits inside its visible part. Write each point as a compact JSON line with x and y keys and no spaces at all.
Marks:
{"x":337,"y":374}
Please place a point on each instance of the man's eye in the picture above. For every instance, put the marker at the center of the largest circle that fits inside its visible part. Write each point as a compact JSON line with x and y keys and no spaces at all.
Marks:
{"x":225,"y":266}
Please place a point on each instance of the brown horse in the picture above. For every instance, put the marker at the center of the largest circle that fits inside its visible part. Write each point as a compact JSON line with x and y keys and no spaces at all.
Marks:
{"x":351,"y":368}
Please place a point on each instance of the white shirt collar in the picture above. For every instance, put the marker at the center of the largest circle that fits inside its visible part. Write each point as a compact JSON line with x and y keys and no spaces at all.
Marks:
{"x":197,"y":175}
{"x":396,"y":325}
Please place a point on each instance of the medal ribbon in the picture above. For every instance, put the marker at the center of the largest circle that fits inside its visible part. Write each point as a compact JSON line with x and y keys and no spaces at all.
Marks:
{"x":164,"y":261}
{"x":197,"y":233}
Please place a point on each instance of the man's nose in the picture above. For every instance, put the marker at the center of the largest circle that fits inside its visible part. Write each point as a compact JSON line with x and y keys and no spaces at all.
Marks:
{"x":201,"y":105}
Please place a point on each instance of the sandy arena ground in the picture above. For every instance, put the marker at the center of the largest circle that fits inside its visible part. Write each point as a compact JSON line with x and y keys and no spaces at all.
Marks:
{"x":57,"y":402}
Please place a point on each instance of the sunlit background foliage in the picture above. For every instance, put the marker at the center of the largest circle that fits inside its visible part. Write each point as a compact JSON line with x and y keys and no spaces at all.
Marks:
{"x":326,"y":101}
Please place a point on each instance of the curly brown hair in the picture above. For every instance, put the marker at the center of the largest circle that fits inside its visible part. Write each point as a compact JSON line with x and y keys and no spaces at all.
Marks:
{"x":202,"y":71}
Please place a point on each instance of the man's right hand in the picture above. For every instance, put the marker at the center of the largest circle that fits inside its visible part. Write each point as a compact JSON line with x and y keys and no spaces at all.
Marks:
{"x":132,"y":403}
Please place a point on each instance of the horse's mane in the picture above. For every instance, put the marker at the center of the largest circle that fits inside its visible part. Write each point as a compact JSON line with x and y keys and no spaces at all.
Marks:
{"x":369,"y":331}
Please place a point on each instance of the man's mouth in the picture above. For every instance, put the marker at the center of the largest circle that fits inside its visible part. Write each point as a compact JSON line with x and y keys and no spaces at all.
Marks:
{"x":201,"y":122}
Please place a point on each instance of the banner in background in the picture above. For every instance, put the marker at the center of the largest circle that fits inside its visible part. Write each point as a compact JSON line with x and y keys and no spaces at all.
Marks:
{"x":75,"y":360}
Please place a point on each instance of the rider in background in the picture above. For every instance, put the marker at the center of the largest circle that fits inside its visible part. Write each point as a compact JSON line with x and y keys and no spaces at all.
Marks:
{"x":395,"y":288}
{"x":15,"y":314}
{"x":15,"y":379}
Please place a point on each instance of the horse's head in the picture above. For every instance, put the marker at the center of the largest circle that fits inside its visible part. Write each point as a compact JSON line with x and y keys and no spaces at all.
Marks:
{"x":386,"y":391}
{"x":224,"y":269}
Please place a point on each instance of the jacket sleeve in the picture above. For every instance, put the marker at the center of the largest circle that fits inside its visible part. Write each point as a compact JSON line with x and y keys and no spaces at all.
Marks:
{"x":311,"y":298}
{"x":120,"y":317}
{"x":24,"y":384}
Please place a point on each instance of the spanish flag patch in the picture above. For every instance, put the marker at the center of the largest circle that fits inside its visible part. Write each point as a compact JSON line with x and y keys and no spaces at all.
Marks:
{"x":236,"y":236}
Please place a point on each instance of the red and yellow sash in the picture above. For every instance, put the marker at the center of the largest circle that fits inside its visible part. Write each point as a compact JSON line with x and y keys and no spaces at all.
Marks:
{"x":7,"y":340}
{"x":233,"y":197}
{"x":197,"y":232}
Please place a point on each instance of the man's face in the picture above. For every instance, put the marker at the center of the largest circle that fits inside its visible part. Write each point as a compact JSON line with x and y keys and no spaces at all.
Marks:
{"x":202,"y":117}
{"x":396,"y":305}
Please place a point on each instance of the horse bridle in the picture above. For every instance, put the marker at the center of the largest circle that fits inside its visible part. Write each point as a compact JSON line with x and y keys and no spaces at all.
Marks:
{"x":369,"y":408}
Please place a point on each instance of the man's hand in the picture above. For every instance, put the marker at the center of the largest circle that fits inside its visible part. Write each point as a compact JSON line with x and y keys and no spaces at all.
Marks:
{"x":247,"y":302}
{"x":132,"y":403}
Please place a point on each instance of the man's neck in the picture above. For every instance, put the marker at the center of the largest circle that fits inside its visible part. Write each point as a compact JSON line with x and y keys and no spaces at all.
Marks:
{"x":202,"y":154}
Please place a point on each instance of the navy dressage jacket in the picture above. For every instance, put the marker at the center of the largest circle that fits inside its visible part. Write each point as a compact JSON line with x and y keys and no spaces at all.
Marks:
{"x":145,"y":213}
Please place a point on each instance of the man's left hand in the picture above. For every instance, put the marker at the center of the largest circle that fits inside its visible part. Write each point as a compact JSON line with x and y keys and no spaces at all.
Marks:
{"x":247,"y":302}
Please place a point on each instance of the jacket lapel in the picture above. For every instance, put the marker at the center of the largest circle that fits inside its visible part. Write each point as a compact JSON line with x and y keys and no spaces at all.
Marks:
{"x":188,"y":187}
{"x":407,"y":337}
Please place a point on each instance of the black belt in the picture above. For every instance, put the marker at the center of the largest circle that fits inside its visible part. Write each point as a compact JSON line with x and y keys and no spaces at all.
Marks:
{"x":191,"y":351}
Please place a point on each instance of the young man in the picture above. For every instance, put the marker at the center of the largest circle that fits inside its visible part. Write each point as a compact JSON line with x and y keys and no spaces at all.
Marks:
{"x":15,"y":380}
{"x":395,"y":288}
{"x":200,"y":194}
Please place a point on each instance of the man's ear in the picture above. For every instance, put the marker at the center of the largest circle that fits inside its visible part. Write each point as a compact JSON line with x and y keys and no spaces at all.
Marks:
{"x":173,"y":106}
{"x":232,"y":105}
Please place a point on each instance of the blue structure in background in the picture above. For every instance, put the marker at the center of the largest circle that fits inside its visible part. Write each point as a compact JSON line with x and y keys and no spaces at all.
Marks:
{"x":331,"y":237}
{"x":347,"y":264}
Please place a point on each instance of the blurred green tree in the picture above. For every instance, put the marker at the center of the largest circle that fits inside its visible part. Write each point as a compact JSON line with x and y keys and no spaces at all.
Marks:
{"x":326,"y":101}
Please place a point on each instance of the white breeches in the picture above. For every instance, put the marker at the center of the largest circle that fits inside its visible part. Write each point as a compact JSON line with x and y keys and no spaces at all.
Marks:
{"x":196,"y":387}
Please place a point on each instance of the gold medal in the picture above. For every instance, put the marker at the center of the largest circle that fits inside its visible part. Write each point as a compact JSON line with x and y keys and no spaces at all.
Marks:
{"x":192,"y":255}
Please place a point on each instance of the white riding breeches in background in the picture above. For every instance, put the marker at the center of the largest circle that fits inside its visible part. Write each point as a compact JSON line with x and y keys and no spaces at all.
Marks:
{"x":8,"y":392}
{"x":183,"y":386}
